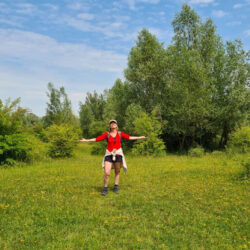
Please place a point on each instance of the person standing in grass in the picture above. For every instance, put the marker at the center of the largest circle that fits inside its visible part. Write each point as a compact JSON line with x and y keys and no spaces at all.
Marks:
{"x":113,"y":157}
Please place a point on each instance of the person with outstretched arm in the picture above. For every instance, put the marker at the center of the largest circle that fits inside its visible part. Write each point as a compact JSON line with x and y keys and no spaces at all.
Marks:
{"x":114,"y":157}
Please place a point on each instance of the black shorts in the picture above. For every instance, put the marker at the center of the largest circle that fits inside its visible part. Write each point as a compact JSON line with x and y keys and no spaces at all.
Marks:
{"x":108,"y":158}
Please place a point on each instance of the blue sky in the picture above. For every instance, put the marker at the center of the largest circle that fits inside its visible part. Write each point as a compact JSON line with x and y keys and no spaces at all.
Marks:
{"x":83,"y":45}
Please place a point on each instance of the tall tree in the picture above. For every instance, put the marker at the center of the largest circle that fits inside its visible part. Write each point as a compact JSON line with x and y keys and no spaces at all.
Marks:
{"x":189,"y":84}
{"x":59,"y":108}
{"x":231,"y":95}
{"x":91,"y":111}
{"x":119,"y":97}
{"x":146,"y":70}
{"x":186,"y":28}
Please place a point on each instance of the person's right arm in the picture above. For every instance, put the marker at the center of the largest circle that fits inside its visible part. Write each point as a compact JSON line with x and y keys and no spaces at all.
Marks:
{"x":87,"y":140}
{"x":98,"y":138}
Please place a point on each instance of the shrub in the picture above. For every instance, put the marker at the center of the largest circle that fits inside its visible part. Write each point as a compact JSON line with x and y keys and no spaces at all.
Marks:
{"x":240,"y":140}
{"x":62,"y":140}
{"x":14,"y":143}
{"x":38,"y":149}
{"x":152,"y":146}
{"x":14,"y":147}
{"x":196,"y":152}
{"x":99,"y":148}
{"x":97,"y":128}
{"x":217,"y":153}
{"x":149,"y":126}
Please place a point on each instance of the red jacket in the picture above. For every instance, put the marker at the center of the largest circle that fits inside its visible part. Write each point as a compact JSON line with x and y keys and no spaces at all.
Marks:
{"x":113,"y":142}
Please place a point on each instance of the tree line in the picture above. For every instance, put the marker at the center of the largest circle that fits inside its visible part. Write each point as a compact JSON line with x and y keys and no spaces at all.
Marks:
{"x":198,"y":86}
{"x":192,"y":93}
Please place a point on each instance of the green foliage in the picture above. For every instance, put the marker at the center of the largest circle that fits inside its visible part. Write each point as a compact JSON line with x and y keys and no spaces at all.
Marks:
{"x":231,"y":93}
{"x":38,"y":149}
{"x":99,"y":148}
{"x":217,"y":153}
{"x":196,"y":152}
{"x":151,"y":127}
{"x":97,"y":128}
{"x":199,"y":84}
{"x":62,"y":140}
{"x":240,"y":140}
{"x":246,"y":165}
{"x":186,"y":28}
{"x":153,"y":146}
{"x":91,"y":111}
{"x":59,"y":109}
{"x":14,"y":143}
{"x":86,"y":119}
{"x":146,"y":70}
{"x":119,"y":97}
{"x":14,"y":147}
{"x":96,"y":104}
{"x":133,"y":112}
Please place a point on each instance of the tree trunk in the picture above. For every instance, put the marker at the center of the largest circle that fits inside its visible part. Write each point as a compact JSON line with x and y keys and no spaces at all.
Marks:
{"x":182,"y":142}
{"x":224,"y":136}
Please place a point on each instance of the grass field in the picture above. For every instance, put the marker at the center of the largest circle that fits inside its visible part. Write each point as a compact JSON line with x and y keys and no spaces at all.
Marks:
{"x":173,"y":202}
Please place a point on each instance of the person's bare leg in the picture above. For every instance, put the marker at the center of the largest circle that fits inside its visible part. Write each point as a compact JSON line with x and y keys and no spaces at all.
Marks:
{"x":117,"y":172}
{"x":108,"y":166}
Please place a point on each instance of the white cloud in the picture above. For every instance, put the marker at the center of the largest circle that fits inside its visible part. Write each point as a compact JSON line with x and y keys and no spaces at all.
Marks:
{"x":25,"y":8}
{"x":149,"y":1}
{"x":11,"y":22}
{"x":78,"y":24}
{"x":233,"y":23}
{"x":4,"y":8}
{"x":132,"y":3}
{"x":51,"y":6}
{"x":29,"y":47}
{"x":28,"y":61}
{"x":85,"y":16}
{"x":109,"y":29}
{"x":219,"y":13}
{"x":238,"y":5}
{"x":77,"y":6}
{"x":247,"y":32}
{"x":161,"y":34}
{"x":200,"y":1}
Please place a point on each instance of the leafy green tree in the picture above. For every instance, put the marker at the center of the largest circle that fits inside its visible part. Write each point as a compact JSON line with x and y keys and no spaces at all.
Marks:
{"x":239,"y":140}
{"x":151,"y":127}
{"x":86,"y":119}
{"x":146,"y":70}
{"x":189,"y":104}
{"x":232,"y":90}
{"x":207,"y":82}
{"x":92,"y":110}
{"x":186,"y":28}
{"x":96,"y":104}
{"x":133,"y":112}
{"x":119,"y":97}
{"x":59,"y":110}
{"x":97,"y":128}
{"x":14,"y":143}
{"x":62,"y":140}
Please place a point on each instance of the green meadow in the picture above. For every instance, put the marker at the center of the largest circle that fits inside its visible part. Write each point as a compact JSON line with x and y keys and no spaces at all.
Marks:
{"x":171,"y":202}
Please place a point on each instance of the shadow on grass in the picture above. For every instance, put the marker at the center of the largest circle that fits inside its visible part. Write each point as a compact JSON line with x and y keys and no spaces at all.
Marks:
{"x":97,"y":188}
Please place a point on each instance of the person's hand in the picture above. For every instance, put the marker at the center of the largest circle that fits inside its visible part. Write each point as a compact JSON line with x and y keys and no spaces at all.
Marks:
{"x":145,"y":137}
{"x":83,"y":140}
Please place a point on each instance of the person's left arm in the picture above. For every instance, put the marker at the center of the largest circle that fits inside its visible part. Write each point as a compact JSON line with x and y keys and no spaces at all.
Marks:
{"x":128,"y":137}
{"x":137,"y":137}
